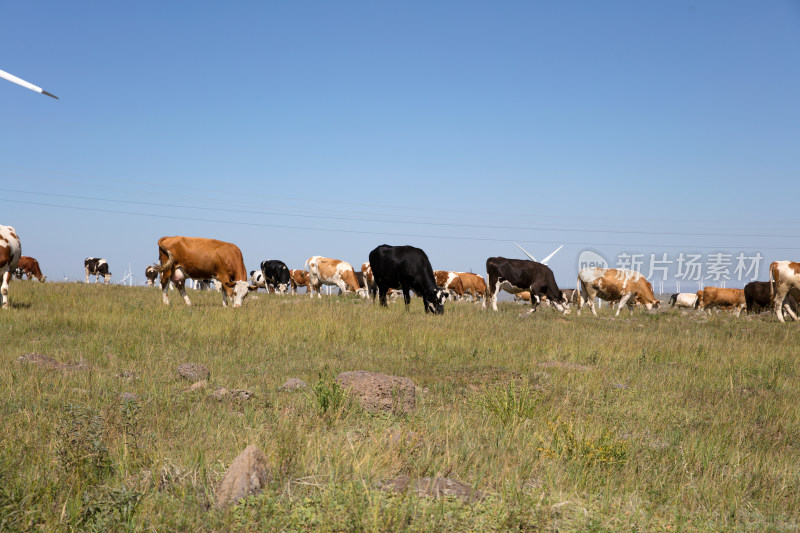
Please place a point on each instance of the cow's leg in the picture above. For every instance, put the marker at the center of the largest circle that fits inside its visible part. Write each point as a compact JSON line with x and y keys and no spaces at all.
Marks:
{"x":382,"y":296}
{"x":788,"y":309}
{"x":622,"y":302}
{"x":4,"y":290}
{"x":494,"y":294}
{"x":182,"y":289}
{"x":87,"y":274}
{"x":342,"y":286}
{"x":407,"y":297}
{"x":777,"y":302}
{"x":165,"y":283}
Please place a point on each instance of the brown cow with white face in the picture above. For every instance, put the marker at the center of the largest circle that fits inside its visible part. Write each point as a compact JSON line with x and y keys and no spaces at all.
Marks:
{"x":612,"y":284}
{"x":449,"y":281}
{"x":198,"y":258}
{"x":326,"y":271}
{"x":10,"y":252}
{"x":30,"y":267}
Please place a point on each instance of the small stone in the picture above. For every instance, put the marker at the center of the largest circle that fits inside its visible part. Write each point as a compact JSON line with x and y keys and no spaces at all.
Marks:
{"x":193,"y":372}
{"x":248,"y":474}
{"x":196,"y":386}
{"x":129,"y":397}
{"x":293,"y":384}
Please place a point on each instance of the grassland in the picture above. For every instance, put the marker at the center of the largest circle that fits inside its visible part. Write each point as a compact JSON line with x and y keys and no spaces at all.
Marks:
{"x":659,"y":422}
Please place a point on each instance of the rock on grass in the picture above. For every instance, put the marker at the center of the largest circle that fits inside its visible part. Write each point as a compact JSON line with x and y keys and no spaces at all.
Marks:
{"x":248,"y":474}
{"x":193,"y":372}
{"x":380,"y":392}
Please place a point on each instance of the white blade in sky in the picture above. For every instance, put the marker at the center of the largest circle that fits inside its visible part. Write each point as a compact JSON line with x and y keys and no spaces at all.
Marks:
{"x":525,"y":251}
{"x":549,"y":257}
{"x":18,"y":81}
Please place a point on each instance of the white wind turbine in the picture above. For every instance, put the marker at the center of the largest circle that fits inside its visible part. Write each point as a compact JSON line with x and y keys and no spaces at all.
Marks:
{"x":128,"y":276}
{"x":13,"y":79}
{"x":543,"y":261}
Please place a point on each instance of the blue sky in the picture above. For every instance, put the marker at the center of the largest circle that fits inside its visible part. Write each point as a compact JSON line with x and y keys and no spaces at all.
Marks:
{"x":298,"y":128}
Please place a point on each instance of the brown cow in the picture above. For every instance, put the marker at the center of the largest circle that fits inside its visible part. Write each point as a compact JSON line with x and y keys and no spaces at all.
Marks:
{"x":30,"y":267}
{"x":198,"y":258}
{"x":299,"y":278}
{"x":369,"y":280}
{"x":711,"y":297}
{"x":449,"y":281}
{"x":326,"y":271}
{"x":612,"y":284}
{"x":10,"y":252}
{"x":474,"y":285}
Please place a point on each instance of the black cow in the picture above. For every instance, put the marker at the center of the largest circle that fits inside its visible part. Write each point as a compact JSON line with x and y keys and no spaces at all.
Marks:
{"x":407,"y":268}
{"x":94,"y":266}
{"x":758,"y":298}
{"x":518,"y":275}
{"x":276,"y":273}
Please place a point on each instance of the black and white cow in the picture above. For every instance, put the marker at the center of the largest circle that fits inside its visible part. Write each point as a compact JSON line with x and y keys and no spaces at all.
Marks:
{"x":18,"y":273}
{"x":518,"y":275}
{"x":407,"y":268}
{"x":94,"y":266}
{"x":276,"y":273}
{"x":151,"y":275}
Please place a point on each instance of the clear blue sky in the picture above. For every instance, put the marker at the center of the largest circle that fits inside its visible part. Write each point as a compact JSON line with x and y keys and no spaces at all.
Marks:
{"x":326,"y":128}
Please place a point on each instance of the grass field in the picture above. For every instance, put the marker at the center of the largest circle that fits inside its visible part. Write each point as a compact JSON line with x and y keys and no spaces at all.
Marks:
{"x":650,"y":422}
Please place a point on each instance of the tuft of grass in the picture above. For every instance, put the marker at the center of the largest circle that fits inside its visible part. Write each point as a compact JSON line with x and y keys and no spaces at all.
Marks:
{"x":510,"y":404}
{"x":331,"y":399}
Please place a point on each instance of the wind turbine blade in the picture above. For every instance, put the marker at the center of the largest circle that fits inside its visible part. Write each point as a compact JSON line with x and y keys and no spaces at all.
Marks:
{"x":20,"y":81}
{"x":525,"y":251}
{"x":549,"y":257}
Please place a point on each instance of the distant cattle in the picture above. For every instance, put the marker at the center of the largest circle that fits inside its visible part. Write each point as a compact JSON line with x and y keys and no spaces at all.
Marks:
{"x":570,"y":295}
{"x":522,"y":297}
{"x":276,"y":273}
{"x":757,"y":297}
{"x":474,"y":286}
{"x":686,"y":300}
{"x":94,"y":266}
{"x":257,"y":280}
{"x":30,"y":267}
{"x":612,"y":284}
{"x":732,"y":299}
{"x":299,"y":278}
{"x":406,"y":268}
{"x":518,"y":275}
{"x":151,"y":274}
{"x":18,"y":273}
{"x":326,"y":271}
{"x":450,"y":282}
{"x":10,"y":252}
{"x":369,"y":280}
{"x":198,"y":258}
{"x":783,"y":277}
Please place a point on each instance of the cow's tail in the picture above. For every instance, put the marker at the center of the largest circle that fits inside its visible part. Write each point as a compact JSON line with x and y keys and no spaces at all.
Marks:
{"x":170,"y":261}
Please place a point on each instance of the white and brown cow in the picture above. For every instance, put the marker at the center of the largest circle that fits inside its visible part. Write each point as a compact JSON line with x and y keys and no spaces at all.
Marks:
{"x":199,"y":258}
{"x":299,"y":278}
{"x":474,"y":285}
{"x":450,"y":282}
{"x":30,"y":267}
{"x":94,"y":266}
{"x":326,"y":271}
{"x":686,"y":300}
{"x":612,"y":284}
{"x":150,"y":273}
{"x":369,"y":280}
{"x":731,"y":299}
{"x":783,"y":277}
{"x":10,"y":252}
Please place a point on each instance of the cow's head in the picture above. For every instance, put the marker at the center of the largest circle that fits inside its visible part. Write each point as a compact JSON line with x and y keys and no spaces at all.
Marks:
{"x":364,"y":293}
{"x":436,"y":306}
{"x":240,"y":290}
{"x":43,"y":278}
{"x":18,"y":273}
{"x":282,"y":288}
{"x":562,"y":304}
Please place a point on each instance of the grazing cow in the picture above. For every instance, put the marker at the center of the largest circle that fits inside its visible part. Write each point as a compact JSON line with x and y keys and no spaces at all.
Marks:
{"x":732,"y":299}
{"x":783,"y":277}
{"x":18,"y":273}
{"x":369,"y":280}
{"x":450,"y":282}
{"x":518,"y":275}
{"x":325,"y":271}
{"x":276,"y":273}
{"x":612,"y":284}
{"x":757,"y":297}
{"x":474,"y":285}
{"x":198,"y":258}
{"x":94,"y":266}
{"x":299,"y":278}
{"x":406,"y":268}
{"x":30,"y":267}
{"x":10,"y":252}
{"x":257,"y":280}
{"x":150,"y":273}
{"x":686,"y":300}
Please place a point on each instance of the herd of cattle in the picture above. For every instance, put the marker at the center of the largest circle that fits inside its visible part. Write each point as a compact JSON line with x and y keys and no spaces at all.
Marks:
{"x":392,"y":270}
